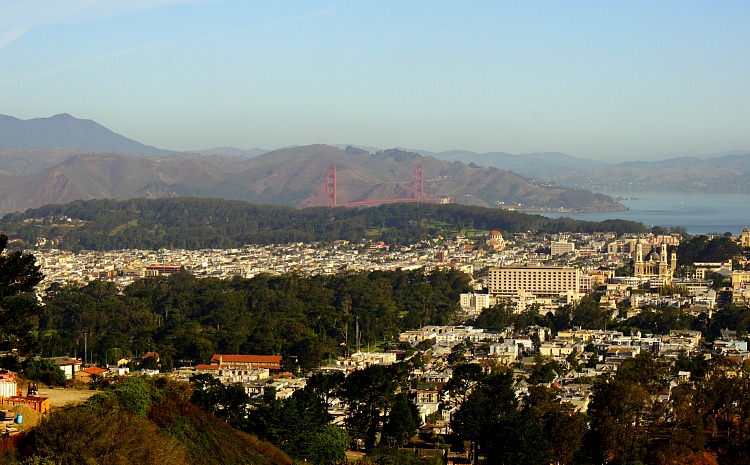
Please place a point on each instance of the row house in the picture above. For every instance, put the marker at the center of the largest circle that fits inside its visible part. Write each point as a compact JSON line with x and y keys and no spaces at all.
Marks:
{"x":560,"y":349}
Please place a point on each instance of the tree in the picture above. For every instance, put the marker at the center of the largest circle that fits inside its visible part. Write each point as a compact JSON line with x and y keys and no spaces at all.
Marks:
{"x":564,"y":429}
{"x":403,"y":422}
{"x":326,"y":385}
{"x":299,"y":426}
{"x":617,"y":412}
{"x":545,"y":370}
{"x":490,"y":418}
{"x":465,"y":377}
{"x":645,"y":370}
{"x":85,"y":435}
{"x":325,"y":445}
{"x":226,"y":402}
{"x":19,"y":308}
{"x":370,"y":393}
{"x":588,"y":315}
{"x":701,"y":249}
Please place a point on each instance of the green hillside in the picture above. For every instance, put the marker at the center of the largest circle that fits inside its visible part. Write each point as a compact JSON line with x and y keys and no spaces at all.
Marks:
{"x":195,"y":223}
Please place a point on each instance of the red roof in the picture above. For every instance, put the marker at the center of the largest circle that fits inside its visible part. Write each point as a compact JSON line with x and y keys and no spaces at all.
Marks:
{"x":207,"y":367}
{"x":94,"y":370}
{"x":255,"y":359}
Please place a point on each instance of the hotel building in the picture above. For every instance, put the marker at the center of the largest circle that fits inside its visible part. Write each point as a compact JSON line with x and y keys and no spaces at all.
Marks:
{"x":535,"y":280}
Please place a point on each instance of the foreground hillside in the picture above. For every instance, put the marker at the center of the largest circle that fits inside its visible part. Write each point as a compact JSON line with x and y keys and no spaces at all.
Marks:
{"x":193,"y":223}
{"x":142,"y":421}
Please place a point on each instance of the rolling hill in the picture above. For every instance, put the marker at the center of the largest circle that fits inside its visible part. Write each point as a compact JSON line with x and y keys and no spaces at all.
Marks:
{"x":723,"y":172}
{"x":63,"y":158}
{"x":290,"y":177}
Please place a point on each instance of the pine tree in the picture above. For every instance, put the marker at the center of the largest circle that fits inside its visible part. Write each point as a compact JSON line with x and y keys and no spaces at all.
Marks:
{"x":19,"y":308}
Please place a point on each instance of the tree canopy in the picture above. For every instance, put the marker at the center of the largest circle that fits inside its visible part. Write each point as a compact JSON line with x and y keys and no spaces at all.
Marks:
{"x":195,"y":223}
{"x":19,"y":308}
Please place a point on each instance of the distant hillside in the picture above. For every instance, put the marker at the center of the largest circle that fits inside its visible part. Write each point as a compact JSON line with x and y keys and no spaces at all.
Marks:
{"x":96,"y":176}
{"x":532,"y":165}
{"x":727,"y":173}
{"x":63,"y":131}
{"x":233,"y":152}
{"x":292,"y":177}
{"x":14,"y":162}
{"x":723,"y":172}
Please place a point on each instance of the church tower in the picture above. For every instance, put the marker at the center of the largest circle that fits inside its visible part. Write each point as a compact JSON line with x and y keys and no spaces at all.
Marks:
{"x":663,"y":265}
{"x":638,"y":265}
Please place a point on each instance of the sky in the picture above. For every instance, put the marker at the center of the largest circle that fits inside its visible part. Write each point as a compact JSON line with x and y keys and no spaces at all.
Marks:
{"x":597,"y":79}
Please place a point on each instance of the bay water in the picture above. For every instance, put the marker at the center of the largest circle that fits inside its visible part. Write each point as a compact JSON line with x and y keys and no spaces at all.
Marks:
{"x":699,"y":213}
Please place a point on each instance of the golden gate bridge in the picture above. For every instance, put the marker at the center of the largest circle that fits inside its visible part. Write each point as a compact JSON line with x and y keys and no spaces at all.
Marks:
{"x":328,"y":185}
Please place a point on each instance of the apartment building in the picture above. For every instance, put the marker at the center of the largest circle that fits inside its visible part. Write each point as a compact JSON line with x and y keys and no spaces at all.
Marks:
{"x":561,"y":248}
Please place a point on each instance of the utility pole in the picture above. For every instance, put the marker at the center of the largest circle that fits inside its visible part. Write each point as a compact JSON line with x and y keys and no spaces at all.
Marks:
{"x":85,"y":332}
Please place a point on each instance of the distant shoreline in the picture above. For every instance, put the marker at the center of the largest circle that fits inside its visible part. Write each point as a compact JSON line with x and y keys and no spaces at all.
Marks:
{"x":698,"y":213}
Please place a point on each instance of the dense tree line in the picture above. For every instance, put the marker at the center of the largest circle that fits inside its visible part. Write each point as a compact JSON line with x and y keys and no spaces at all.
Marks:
{"x":702,"y":249}
{"x":194,"y":223}
{"x":187,"y":318}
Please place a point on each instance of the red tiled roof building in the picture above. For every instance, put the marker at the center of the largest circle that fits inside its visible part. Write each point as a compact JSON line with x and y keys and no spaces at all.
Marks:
{"x":271,"y":362}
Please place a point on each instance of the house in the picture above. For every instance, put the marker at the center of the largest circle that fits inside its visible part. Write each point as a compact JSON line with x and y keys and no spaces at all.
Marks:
{"x":68,"y":365}
{"x":246,"y":363}
{"x":118,"y":370}
{"x":151,"y":354}
{"x":85,"y":375}
{"x":424,"y":396}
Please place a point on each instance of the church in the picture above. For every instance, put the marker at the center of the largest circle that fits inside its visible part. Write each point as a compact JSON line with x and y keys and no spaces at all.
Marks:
{"x":655,"y":266}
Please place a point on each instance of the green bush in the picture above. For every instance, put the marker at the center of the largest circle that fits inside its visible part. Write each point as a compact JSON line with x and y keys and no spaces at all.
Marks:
{"x":43,"y":370}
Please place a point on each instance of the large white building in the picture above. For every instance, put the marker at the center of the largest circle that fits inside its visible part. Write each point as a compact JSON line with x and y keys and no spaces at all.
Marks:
{"x":536,"y":280}
{"x":561,"y":248}
{"x":472,"y":303}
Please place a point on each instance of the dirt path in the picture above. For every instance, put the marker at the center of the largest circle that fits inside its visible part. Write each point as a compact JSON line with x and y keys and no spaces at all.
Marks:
{"x":59,"y":397}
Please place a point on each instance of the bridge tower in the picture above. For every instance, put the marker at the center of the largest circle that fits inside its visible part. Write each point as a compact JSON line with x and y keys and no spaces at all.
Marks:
{"x":418,"y":182}
{"x":331,"y":186}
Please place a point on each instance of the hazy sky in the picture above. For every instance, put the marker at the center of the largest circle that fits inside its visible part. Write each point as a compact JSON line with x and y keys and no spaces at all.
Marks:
{"x":597,"y":79}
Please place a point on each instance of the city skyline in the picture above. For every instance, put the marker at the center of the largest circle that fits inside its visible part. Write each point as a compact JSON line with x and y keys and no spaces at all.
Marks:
{"x":600,"y":81}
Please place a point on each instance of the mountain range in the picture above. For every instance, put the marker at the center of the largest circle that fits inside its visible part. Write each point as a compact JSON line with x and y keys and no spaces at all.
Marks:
{"x":66,"y":132}
{"x":63,"y":158}
{"x":723,"y":172}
